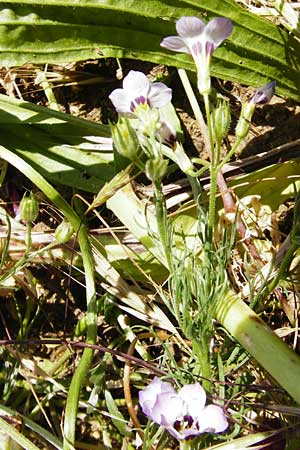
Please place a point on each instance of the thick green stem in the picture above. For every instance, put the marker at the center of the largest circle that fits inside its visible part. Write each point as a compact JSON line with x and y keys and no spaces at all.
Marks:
{"x":88,"y":264}
{"x":261,"y":342}
{"x":201,"y":349}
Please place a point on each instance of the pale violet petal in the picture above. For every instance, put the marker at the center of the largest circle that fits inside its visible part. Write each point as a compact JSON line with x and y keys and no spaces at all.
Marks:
{"x":148,"y":396}
{"x":136,"y":83}
{"x":159,"y":95}
{"x":194,"y":397}
{"x":121,"y":100}
{"x":217,"y":30}
{"x":189,"y":26}
{"x":175,"y":43}
{"x":168,"y":408}
{"x":212,"y":420}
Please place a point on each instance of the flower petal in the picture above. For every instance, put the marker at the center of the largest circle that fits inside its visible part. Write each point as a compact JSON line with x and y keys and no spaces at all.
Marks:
{"x":121,"y":100}
{"x":217,"y":30}
{"x":175,"y":44}
{"x":159,"y":95}
{"x":194,"y":397}
{"x":137,"y":83}
{"x":148,"y":396}
{"x":212,"y":420}
{"x":168,"y":408}
{"x":189,"y":26}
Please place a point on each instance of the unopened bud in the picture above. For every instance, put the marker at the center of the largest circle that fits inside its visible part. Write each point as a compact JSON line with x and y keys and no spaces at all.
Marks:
{"x":125,"y":138}
{"x":64,"y":232}
{"x":29,"y":208}
{"x":156,"y":169}
{"x":221,"y":120}
{"x":243,"y":124}
{"x":264,"y":94}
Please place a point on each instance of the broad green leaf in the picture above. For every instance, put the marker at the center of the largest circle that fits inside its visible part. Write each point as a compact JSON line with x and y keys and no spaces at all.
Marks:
{"x":64,"y":149}
{"x":56,"y":31}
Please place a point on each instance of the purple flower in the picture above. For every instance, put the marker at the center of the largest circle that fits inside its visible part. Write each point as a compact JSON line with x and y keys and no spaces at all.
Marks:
{"x":182,"y":413}
{"x":199,"y":40}
{"x":137,"y":92}
{"x":264,"y":94}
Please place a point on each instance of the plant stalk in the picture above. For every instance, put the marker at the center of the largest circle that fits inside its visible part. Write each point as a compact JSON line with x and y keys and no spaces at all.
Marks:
{"x":282,"y":363}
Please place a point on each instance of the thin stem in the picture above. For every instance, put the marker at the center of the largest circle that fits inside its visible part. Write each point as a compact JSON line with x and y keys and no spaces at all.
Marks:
{"x":231,"y":152}
{"x":195,"y":106}
{"x":213,"y":170}
{"x":162,"y":222}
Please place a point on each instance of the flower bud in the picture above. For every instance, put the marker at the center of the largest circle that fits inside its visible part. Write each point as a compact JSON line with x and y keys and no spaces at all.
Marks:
{"x":29,"y":208}
{"x":221,"y":120}
{"x":264,"y":94}
{"x":156,"y":169}
{"x":63,"y":232}
{"x":243,"y":124}
{"x":125,"y":139}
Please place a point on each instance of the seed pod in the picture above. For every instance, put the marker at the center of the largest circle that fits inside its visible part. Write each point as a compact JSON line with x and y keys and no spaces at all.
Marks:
{"x":125,"y":139}
{"x":29,"y":208}
{"x":64,"y":232}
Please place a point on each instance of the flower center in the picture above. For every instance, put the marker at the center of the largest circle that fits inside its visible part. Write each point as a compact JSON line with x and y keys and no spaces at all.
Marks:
{"x":186,"y":423}
{"x":138,"y":102}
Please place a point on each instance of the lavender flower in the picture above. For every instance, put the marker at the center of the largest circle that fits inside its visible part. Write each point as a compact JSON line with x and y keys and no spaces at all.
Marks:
{"x":199,"y":40}
{"x":182,"y":413}
{"x":139,"y":92}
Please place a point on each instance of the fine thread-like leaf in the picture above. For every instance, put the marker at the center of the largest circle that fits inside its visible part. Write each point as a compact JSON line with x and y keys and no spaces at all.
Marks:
{"x":52,"y":31}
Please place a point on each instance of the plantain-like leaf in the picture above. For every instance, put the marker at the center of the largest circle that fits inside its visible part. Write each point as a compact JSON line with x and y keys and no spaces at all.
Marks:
{"x":57,"y":31}
{"x":64,"y":149}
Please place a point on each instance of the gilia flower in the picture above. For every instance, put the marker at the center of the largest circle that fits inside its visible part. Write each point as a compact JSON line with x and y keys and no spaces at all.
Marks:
{"x":139,"y":91}
{"x":182,"y":413}
{"x":199,"y":40}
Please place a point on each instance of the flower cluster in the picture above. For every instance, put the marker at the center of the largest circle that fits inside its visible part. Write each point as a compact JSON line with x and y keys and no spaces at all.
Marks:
{"x":182,"y":413}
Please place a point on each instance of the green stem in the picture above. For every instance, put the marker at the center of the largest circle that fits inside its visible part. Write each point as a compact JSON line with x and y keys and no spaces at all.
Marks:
{"x":201,"y":349}
{"x":231,"y":152}
{"x":261,"y":342}
{"x":162,"y":222}
{"x":88,"y":264}
{"x":213,"y":170}
{"x":195,"y":106}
